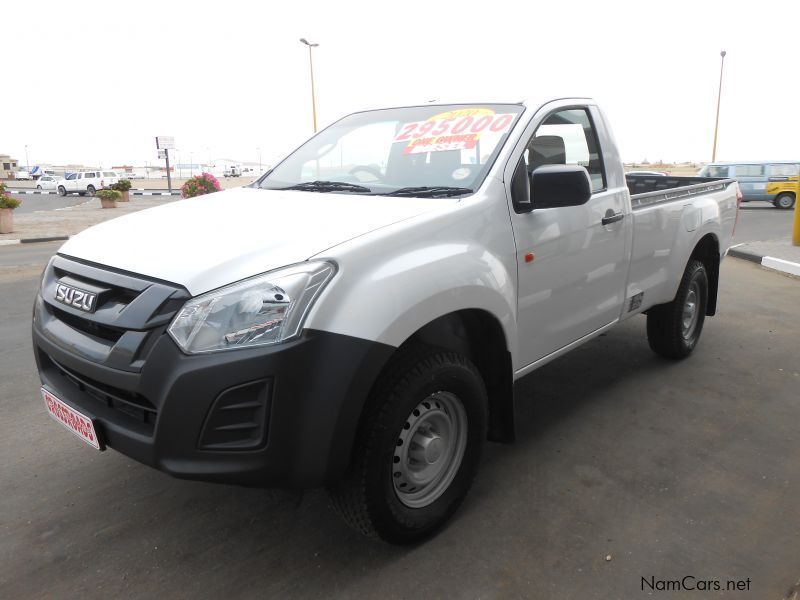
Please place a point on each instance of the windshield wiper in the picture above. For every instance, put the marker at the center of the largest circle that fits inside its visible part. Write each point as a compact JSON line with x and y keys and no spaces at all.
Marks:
{"x":430,"y":191}
{"x":328,"y":186}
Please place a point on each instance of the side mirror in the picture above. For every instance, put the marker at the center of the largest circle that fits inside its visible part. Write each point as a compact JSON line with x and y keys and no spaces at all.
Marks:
{"x":555,"y":186}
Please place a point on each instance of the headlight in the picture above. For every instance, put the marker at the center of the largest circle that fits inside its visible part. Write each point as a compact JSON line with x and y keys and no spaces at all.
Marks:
{"x":266,"y":309}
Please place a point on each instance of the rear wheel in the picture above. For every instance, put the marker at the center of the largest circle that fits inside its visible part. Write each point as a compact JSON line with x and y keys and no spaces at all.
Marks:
{"x":784,"y":201}
{"x":38,"y":187}
{"x":91,"y":190}
{"x":674,"y":329}
{"x":62,"y":191}
{"x":418,"y":447}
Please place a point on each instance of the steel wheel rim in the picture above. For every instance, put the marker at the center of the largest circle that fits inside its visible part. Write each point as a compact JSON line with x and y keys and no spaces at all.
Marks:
{"x":785,"y":201}
{"x":690,"y":312}
{"x":429,"y":449}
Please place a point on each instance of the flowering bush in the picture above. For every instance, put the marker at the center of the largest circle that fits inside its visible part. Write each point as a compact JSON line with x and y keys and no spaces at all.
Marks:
{"x":7,"y":201}
{"x":199,"y":185}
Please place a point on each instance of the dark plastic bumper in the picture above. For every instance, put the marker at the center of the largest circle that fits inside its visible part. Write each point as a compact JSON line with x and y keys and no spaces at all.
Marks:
{"x":316,"y":386}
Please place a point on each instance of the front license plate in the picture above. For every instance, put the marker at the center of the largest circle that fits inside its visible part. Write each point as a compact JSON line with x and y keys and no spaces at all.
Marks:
{"x":70,"y":418}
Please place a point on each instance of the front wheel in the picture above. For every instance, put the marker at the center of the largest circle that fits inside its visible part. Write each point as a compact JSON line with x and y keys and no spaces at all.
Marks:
{"x":91,"y":190}
{"x":784,"y":201}
{"x":417,"y":449}
{"x":673,"y":329}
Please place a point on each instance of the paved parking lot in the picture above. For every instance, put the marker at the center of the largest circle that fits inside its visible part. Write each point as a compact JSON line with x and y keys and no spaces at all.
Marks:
{"x":668,"y":469}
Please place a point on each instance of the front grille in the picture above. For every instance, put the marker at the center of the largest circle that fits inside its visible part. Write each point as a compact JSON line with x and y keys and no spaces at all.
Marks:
{"x":131,"y":404}
{"x":130,"y":313}
{"x":104,"y":332}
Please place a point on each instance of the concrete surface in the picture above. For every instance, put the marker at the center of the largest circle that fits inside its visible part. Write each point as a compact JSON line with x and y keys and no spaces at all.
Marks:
{"x":777,"y":254}
{"x":762,"y":221}
{"x":38,"y":202}
{"x":667,"y":468}
{"x":70,"y":220}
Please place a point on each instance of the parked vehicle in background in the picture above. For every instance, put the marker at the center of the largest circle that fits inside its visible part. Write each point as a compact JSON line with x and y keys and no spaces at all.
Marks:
{"x":649,"y":173}
{"x":23,"y":175}
{"x":785,"y":190}
{"x":47,"y":182}
{"x":362,"y":316}
{"x":87,"y":182}
{"x":233,"y":171}
{"x":754,"y":176}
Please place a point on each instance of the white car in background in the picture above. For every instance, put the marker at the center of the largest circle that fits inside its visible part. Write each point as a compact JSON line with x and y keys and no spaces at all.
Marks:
{"x":86,"y":182}
{"x":22,"y":175}
{"x":47,"y":182}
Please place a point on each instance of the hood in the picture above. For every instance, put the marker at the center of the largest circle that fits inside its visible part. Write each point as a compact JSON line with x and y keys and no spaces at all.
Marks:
{"x":206,"y":242}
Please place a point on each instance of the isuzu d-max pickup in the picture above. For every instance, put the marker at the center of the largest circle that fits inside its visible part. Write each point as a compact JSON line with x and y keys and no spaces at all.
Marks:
{"x":360,"y":317}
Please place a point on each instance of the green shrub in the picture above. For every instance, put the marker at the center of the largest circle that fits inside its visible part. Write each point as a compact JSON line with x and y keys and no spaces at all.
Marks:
{"x":7,"y":201}
{"x":123,"y":185}
{"x":108,"y":195}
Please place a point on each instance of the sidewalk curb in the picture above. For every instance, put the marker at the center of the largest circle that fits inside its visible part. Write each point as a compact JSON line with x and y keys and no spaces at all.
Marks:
{"x":744,"y":254}
{"x":144,"y":193}
{"x":769,"y":262}
{"x":134,"y":192}
{"x":54,"y":238}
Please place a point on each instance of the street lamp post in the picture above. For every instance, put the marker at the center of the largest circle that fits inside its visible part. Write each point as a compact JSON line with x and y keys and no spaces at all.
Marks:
{"x":27,"y":162}
{"x":259,"y":160}
{"x":311,"y":65}
{"x":719,"y":97}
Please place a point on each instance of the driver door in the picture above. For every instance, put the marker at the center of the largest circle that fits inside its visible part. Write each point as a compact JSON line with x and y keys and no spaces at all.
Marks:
{"x":572,"y":282}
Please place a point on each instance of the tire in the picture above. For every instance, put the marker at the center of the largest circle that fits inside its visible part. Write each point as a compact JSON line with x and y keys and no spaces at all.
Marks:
{"x":437,"y":399}
{"x":38,"y":187}
{"x":673,"y":329}
{"x":90,"y":190}
{"x":784,"y":201}
{"x":62,"y":191}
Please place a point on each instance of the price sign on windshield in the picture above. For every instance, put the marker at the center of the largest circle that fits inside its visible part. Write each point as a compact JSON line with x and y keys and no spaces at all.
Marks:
{"x":453,"y":130}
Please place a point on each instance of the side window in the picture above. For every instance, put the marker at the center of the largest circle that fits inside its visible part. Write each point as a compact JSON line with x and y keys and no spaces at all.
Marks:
{"x":567,"y":137}
{"x":749,"y":170}
{"x":718,"y":171}
{"x":785,"y":170}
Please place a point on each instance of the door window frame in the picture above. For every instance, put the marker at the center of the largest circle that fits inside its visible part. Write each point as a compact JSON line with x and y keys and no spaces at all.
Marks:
{"x":532,"y":126}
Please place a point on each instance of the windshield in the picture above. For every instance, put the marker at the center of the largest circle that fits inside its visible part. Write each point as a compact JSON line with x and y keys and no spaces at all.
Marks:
{"x":385,"y":151}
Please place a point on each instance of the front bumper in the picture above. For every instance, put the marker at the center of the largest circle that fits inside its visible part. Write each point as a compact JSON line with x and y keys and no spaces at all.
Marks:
{"x":282,"y":415}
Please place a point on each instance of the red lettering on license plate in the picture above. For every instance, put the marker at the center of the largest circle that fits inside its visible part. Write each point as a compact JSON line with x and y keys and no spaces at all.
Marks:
{"x":77,"y":423}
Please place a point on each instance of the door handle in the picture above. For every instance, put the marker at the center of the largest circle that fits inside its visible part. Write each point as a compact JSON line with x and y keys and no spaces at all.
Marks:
{"x":612,"y":218}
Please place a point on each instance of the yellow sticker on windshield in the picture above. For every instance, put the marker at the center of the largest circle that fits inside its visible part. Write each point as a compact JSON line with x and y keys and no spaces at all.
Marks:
{"x":458,"y":129}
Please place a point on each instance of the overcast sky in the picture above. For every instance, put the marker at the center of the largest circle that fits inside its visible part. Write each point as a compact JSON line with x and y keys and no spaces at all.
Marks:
{"x":94,"y":82}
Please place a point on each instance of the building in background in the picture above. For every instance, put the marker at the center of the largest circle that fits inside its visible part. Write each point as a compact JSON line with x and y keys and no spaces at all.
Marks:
{"x":8,"y":166}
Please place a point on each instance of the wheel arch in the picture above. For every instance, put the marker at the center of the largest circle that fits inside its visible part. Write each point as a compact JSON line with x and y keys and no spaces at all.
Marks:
{"x":707,"y":252}
{"x":478,"y":335}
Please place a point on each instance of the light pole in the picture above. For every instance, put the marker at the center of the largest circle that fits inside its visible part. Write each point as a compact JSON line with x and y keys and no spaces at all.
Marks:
{"x":27,"y":162}
{"x":259,"y":160}
{"x":719,"y":97}
{"x":311,"y":65}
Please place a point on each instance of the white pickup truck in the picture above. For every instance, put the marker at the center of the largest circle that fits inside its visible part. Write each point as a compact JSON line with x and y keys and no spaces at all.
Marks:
{"x":361,"y":316}
{"x":86,"y":182}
